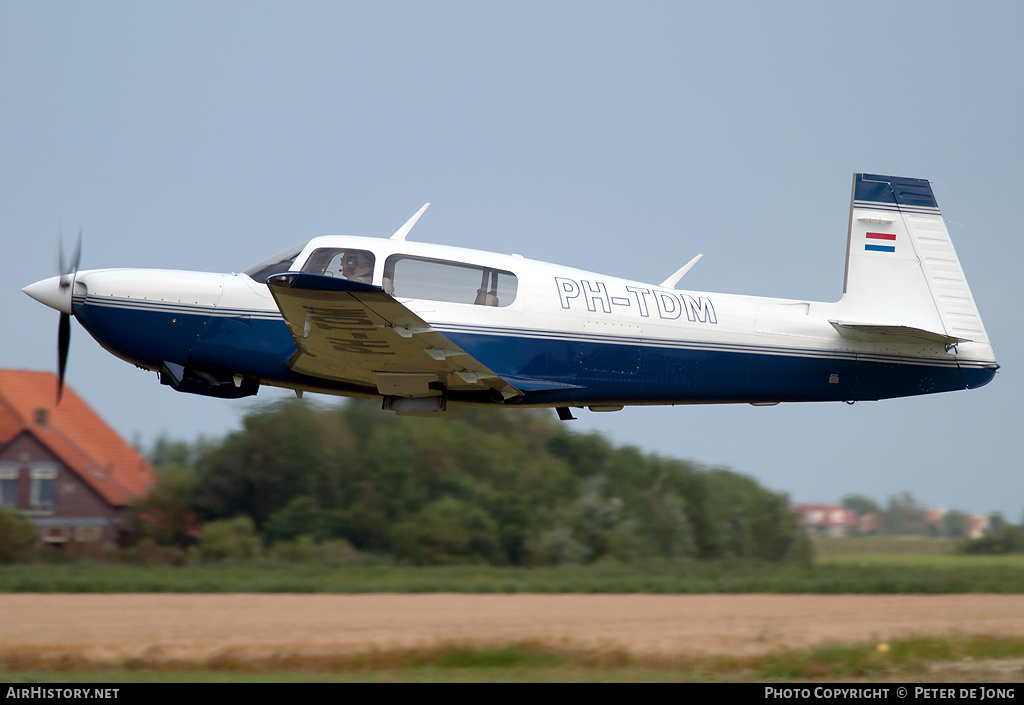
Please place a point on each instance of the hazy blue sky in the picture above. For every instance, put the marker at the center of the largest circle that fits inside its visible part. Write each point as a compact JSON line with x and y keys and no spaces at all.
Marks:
{"x":619,"y":137}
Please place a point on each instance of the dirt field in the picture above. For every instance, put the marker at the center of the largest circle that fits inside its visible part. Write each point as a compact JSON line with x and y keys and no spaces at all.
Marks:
{"x":114,"y":628}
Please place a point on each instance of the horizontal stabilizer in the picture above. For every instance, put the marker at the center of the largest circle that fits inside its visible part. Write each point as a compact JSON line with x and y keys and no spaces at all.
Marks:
{"x":867,"y":332}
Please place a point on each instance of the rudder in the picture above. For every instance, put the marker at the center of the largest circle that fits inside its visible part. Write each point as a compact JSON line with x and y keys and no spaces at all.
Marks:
{"x":901,"y":267}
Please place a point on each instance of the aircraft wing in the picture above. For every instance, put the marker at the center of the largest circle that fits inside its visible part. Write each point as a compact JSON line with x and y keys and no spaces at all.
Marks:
{"x":356,"y":333}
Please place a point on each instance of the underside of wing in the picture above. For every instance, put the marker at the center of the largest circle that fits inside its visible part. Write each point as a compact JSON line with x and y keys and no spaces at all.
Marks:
{"x":356,"y":333}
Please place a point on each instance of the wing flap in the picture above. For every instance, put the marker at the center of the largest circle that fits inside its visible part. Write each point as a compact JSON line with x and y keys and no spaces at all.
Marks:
{"x":356,"y":333}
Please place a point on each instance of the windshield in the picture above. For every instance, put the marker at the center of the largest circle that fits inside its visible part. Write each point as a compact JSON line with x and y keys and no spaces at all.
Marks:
{"x":275,"y":265}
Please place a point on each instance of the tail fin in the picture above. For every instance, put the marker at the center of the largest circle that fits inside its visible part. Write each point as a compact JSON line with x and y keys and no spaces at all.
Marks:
{"x":903,"y":278}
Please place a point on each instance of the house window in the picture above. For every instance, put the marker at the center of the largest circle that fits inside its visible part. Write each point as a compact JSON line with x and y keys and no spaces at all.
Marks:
{"x":55,"y":534}
{"x":44,"y":480}
{"x":8,"y":485}
{"x":88,"y":534}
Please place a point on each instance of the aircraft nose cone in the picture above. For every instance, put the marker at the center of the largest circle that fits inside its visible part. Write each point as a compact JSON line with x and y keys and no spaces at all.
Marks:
{"x":50,"y":292}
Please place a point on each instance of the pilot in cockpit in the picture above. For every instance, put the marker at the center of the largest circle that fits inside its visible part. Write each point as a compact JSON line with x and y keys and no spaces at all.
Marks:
{"x":358,"y":266}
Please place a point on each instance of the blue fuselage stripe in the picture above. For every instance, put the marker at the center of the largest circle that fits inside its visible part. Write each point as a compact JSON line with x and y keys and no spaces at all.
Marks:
{"x":637,"y":371}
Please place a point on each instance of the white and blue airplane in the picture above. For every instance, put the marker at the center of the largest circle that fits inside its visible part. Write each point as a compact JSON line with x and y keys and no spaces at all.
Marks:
{"x":422,"y":326}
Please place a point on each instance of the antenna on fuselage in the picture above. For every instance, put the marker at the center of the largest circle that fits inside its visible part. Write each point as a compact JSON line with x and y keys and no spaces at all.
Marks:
{"x":404,"y":230}
{"x":671,"y":282}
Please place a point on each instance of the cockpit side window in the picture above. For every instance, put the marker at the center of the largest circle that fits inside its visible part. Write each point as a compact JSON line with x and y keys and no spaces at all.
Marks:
{"x":438,"y":280}
{"x":355,"y":265}
{"x":275,"y":265}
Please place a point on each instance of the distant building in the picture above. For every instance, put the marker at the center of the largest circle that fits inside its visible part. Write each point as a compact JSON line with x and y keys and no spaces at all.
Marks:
{"x":62,"y":466}
{"x":870,"y":523}
{"x":977,"y":525}
{"x":826,"y":519}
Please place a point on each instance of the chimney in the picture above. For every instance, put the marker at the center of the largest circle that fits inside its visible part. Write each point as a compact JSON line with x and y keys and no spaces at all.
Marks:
{"x":42,"y":416}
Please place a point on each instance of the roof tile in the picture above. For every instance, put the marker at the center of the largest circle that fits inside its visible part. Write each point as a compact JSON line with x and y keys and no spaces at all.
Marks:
{"x":74,"y":433}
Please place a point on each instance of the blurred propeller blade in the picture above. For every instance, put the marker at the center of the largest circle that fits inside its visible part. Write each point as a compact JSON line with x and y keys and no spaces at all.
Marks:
{"x":61,"y":268}
{"x":68,"y":270}
{"x":63,"y":343}
{"x":77,"y":254}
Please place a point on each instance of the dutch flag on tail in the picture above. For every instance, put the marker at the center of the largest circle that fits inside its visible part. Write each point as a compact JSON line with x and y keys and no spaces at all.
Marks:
{"x":877,"y":242}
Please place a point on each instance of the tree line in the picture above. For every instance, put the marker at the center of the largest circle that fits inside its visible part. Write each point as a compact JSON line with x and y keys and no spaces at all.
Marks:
{"x":503,"y":487}
{"x":305,"y":480}
{"x":902,"y":515}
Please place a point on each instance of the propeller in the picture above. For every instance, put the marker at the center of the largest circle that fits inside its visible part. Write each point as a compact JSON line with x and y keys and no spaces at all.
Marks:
{"x":68,"y":270}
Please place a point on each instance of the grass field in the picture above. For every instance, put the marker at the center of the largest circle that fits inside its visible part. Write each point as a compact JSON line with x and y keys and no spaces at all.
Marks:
{"x":843,"y":572}
{"x":884,"y":546}
{"x":842,"y":566}
{"x":964,"y":660}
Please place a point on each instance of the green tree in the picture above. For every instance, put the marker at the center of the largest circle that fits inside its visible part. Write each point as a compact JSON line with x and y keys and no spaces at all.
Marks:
{"x":955,"y":524}
{"x":165,"y":513}
{"x":16,"y":535}
{"x":176,"y":453}
{"x":447,"y":530}
{"x":904,"y":517}
{"x":497,"y":485}
{"x":284,"y":450}
{"x":233,"y":538}
{"x":302,"y":516}
{"x":1006,"y":538}
{"x":558,"y":546}
{"x":666,"y":524}
{"x":860,"y":505}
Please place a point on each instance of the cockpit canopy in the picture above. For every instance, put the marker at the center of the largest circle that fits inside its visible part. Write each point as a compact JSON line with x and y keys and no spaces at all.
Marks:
{"x":347,"y":263}
{"x":280,"y":262}
{"x":404,"y":276}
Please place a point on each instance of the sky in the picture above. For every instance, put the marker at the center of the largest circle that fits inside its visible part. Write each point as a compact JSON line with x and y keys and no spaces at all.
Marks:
{"x":622,"y":138}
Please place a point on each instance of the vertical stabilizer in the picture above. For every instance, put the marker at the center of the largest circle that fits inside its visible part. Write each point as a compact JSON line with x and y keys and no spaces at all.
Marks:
{"x":901,"y":268}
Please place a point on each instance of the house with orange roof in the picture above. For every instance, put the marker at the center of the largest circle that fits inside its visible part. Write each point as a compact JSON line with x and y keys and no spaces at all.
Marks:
{"x":61,"y":465}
